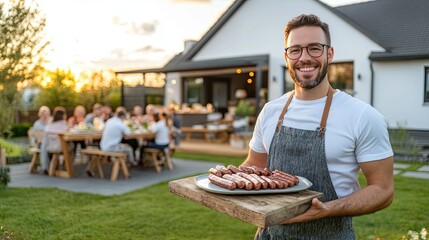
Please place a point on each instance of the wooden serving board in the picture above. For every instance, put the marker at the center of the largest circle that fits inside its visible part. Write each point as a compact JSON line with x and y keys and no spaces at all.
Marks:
{"x":260,"y":210}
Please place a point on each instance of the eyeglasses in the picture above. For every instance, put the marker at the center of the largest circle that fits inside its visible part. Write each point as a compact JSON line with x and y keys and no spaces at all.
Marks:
{"x":313,"y":49}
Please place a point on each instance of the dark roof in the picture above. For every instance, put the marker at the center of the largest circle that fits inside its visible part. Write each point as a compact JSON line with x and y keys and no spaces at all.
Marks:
{"x":206,"y":64}
{"x":400,"y":26}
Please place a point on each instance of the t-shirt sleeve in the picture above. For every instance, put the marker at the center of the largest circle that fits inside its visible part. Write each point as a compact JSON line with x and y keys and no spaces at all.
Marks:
{"x":256,"y":143}
{"x":372,"y":137}
{"x":126,"y":129}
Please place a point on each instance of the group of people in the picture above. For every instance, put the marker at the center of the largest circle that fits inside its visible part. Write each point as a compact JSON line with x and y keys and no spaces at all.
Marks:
{"x":115,"y":129}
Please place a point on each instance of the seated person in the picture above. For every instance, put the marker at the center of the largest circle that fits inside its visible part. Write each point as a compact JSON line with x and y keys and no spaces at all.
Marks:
{"x":161,"y":129}
{"x":113,"y":132}
{"x":78,"y":117}
{"x":137,"y":115}
{"x":95,"y":117}
{"x":106,"y":112}
{"x":40,"y":124}
{"x":148,"y":118}
{"x":51,"y":141}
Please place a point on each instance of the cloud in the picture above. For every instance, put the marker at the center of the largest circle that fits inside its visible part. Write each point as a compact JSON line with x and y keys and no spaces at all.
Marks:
{"x":149,"y":49}
{"x":140,"y":29}
{"x":145,"y":28}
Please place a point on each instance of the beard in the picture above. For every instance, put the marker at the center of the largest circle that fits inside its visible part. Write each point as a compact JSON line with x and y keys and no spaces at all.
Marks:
{"x":309,"y":83}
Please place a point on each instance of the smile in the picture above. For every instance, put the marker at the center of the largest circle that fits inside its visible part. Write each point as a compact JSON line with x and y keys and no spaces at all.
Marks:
{"x":306,"y":69}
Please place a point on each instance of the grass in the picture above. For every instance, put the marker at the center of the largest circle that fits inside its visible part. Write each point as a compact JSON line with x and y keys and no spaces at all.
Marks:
{"x":155,"y":213}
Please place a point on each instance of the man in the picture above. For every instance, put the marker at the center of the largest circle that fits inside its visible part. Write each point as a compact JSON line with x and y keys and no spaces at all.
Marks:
{"x":95,"y":117}
{"x":113,"y":132}
{"x":326,"y":136}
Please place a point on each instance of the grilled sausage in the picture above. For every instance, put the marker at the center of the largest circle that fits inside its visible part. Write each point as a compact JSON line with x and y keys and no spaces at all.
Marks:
{"x":234,"y":169}
{"x":238,"y":181}
{"x":247,"y":169}
{"x":295,"y":179}
{"x":221,"y":182}
{"x":215,"y":172}
{"x":280,"y":183}
{"x":264,"y":184}
{"x":223,"y":169}
{"x":256,"y":184}
{"x":248,"y":184}
{"x":288,"y":181}
{"x":270,"y":182}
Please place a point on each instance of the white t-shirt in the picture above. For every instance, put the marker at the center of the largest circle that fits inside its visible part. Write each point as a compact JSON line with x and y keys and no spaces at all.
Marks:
{"x":113,"y":132}
{"x":355,"y":133}
{"x":162,"y":132}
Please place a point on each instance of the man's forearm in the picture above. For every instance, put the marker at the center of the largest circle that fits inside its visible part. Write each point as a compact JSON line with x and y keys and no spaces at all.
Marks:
{"x":368,"y":200}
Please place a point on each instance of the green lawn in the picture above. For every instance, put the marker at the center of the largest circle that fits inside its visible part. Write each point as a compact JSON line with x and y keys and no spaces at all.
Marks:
{"x":155,"y":213}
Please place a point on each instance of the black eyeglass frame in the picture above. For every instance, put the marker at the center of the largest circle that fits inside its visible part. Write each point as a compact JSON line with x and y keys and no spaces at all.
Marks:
{"x":306,"y":48}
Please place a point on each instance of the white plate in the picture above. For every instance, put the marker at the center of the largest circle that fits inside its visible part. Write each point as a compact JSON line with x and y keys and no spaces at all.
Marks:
{"x":204,"y":183}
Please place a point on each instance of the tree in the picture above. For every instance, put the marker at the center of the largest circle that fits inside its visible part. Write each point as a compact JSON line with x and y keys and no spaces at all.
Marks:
{"x":21,"y":53}
{"x":99,"y":87}
{"x":62,"y":88}
{"x":59,"y":90}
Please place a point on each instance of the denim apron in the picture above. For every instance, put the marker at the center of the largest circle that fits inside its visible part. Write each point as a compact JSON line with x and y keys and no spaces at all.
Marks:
{"x":302,"y":152}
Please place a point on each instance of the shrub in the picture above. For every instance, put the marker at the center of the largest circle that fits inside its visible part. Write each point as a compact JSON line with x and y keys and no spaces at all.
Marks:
{"x":244,"y":109}
{"x":20,"y":129}
{"x":4,"y":176}
{"x":12,"y":150}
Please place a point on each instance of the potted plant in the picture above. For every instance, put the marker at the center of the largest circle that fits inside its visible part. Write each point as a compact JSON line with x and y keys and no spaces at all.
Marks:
{"x":241,"y":116}
{"x":244,"y":109}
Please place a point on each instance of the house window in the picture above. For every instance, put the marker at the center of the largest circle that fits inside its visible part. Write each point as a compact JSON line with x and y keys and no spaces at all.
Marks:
{"x":194,"y":90}
{"x":426,"y":84}
{"x":289,"y":84}
{"x":340,"y":76}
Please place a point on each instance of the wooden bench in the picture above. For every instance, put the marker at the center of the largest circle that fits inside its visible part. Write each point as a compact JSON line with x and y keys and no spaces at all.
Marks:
{"x":159,"y":157}
{"x":96,"y":156}
{"x":222,"y":135}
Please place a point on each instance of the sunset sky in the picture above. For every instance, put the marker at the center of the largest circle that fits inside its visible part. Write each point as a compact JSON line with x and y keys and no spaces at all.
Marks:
{"x":126,"y":34}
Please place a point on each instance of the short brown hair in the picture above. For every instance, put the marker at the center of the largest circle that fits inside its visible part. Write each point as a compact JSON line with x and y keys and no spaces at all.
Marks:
{"x":307,"y":20}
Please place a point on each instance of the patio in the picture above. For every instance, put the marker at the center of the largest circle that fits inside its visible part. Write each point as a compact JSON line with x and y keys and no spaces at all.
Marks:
{"x":140,"y":178}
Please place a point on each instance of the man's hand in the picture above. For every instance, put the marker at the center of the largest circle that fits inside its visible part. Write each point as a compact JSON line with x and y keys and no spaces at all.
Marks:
{"x":316,"y":211}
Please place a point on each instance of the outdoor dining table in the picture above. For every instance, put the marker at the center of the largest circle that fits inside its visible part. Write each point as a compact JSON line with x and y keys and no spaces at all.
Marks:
{"x":69,"y":136}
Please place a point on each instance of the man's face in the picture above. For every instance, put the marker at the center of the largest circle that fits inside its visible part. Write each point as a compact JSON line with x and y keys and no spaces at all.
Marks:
{"x":307,"y":71}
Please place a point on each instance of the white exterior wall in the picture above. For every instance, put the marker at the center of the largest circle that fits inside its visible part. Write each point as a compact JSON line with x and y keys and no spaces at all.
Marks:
{"x":399,"y":93}
{"x":257,"y":28}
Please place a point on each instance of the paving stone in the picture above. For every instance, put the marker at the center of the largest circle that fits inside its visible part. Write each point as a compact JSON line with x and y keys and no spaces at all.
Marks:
{"x":401,"y":165}
{"x":423,"y":175}
{"x":140,"y":178}
{"x":424,"y":168}
{"x":396,"y":172}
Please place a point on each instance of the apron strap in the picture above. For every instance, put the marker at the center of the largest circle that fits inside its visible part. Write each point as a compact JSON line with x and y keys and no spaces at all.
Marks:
{"x":282,"y":115}
{"x":322,"y":128}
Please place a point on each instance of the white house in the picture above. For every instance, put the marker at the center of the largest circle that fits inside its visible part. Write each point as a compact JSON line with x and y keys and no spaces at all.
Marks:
{"x":381,"y":56}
